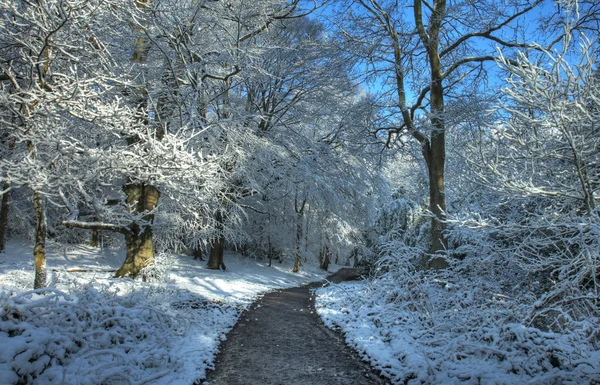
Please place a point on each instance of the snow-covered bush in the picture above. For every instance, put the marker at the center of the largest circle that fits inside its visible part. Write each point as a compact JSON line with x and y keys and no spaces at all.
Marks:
{"x":49,"y":336}
{"x":540,"y":167}
{"x":458,"y":326}
{"x":158,"y":268}
{"x":519,"y":301}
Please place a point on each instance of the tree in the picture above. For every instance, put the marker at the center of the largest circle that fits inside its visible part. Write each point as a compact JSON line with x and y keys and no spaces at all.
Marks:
{"x":51,"y":60}
{"x":179,"y":93}
{"x":427,"y":56}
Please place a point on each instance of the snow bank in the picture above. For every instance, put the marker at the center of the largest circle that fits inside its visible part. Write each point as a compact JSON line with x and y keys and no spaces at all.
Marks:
{"x":438,"y":328}
{"x":91,"y":329}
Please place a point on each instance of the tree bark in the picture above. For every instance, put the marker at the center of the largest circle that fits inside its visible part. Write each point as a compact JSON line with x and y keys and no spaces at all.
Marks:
{"x":95,"y":241}
{"x":434,"y":149}
{"x":39,"y":249}
{"x":198,"y":254}
{"x":435,"y":159}
{"x":298,"y":242}
{"x":4,"y":204}
{"x":139,"y":240}
{"x":325,"y":258}
{"x":140,"y":253}
{"x":269,"y":250}
{"x":217,"y":251}
{"x":4,"y":216}
{"x":299,"y":209}
{"x":217,"y":247}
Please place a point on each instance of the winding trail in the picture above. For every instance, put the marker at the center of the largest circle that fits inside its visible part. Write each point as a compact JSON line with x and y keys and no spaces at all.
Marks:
{"x":281,"y":340}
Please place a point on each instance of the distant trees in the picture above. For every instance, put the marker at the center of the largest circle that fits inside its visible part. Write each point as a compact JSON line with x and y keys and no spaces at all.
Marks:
{"x":309,"y":112}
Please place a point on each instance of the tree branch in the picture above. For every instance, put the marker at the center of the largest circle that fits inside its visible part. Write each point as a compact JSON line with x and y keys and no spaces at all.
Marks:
{"x":488,"y":33}
{"x":96,"y":226}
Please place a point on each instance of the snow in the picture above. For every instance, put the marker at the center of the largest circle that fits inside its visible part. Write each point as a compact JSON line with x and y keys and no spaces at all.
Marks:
{"x":89,"y":328}
{"x":420,"y":331}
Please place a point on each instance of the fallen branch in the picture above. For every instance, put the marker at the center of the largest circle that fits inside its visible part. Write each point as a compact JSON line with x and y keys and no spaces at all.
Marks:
{"x":86,"y":271}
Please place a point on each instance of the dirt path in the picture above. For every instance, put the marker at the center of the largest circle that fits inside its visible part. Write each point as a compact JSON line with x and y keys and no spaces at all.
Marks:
{"x":281,"y":340}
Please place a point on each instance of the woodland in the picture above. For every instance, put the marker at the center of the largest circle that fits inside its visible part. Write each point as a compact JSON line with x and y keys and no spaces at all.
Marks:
{"x":450,"y":149}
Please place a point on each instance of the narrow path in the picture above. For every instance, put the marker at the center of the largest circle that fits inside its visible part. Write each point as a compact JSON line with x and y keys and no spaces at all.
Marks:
{"x":281,"y":340}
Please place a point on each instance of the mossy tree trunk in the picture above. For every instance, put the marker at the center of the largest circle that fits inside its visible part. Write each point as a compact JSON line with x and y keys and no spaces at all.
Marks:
{"x":39,"y":249}
{"x":141,"y":198}
{"x":434,"y":149}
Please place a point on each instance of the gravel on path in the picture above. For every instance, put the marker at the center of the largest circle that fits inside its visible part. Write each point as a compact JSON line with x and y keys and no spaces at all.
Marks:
{"x":281,"y":340}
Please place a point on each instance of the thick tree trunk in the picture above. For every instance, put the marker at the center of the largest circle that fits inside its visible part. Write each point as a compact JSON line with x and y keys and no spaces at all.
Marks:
{"x":39,"y":250}
{"x":139,"y":240}
{"x":4,"y":216}
{"x":437,"y":202}
{"x":215,"y":259}
{"x":95,"y":241}
{"x":434,"y":149}
{"x":140,"y":253}
{"x":217,"y":248}
{"x":436,"y":159}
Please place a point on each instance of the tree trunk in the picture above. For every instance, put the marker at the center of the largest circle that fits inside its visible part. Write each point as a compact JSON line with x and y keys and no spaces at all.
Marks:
{"x":95,"y":241}
{"x":434,"y":149}
{"x":269,"y":250}
{"x":198,"y":255}
{"x":217,"y":247}
{"x":39,"y":250}
{"x":4,"y":216}
{"x":139,"y":240}
{"x":140,"y":252}
{"x":4,"y":205}
{"x":215,"y":259}
{"x":299,"y":209}
{"x":435,"y":158}
{"x":325,"y":258}
{"x":298,"y":241}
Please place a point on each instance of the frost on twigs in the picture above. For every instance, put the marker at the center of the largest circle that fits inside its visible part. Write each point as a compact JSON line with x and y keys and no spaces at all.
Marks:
{"x":157,"y":268}
{"x":50,"y":337}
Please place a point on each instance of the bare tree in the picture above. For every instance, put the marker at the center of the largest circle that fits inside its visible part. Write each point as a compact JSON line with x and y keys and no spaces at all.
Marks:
{"x":420,"y":58}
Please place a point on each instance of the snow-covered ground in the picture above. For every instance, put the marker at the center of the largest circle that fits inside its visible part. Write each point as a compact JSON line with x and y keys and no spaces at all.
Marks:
{"x":88,"y":328}
{"x":418,"y":331}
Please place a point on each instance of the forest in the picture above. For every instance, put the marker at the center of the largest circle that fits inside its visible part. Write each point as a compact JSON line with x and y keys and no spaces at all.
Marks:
{"x":447,"y":149}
